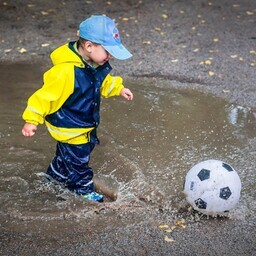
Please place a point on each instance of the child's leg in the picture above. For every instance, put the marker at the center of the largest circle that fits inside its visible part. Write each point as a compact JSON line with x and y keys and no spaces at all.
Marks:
{"x":70,"y":165}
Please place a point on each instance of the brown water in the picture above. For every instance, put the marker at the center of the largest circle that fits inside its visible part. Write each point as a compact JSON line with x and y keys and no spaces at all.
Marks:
{"x":147,"y":146}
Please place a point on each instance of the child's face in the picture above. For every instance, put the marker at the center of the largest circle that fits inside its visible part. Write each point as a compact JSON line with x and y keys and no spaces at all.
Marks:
{"x":98,"y":54}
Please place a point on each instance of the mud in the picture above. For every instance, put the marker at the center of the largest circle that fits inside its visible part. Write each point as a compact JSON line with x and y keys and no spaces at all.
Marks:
{"x":192,"y":62}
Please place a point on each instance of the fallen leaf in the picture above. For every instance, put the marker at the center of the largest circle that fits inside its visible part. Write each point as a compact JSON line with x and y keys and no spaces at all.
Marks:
{"x":7,"y":50}
{"x":211,"y":73}
{"x":233,"y":56}
{"x":249,"y":13}
{"x":146,"y":42}
{"x":165,"y":16}
{"x":207,"y":62}
{"x":164,"y":226}
{"x":253,"y":52}
{"x":45,"y":45}
{"x":196,"y":50}
{"x":44,"y":13}
{"x":236,"y":5}
{"x":174,"y":61}
{"x":211,"y":51}
{"x":157,"y":29}
{"x":169,"y":230}
{"x":215,"y":40}
{"x":125,"y":19}
{"x":168,"y":239}
{"x":22,"y":50}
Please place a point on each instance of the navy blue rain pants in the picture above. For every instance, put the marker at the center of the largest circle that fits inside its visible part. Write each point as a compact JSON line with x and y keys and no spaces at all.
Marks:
{"x":70,"y":166}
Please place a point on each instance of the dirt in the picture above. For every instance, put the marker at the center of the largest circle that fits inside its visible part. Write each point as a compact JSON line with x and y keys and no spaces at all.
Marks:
{"x":206,"y":45}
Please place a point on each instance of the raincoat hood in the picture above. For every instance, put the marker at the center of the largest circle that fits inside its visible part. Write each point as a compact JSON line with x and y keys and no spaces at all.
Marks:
{"x":65,"y":54}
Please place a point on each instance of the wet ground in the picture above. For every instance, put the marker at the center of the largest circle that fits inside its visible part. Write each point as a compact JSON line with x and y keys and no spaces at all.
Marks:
{"x":193,"y":76}
{"x":147,"y":146}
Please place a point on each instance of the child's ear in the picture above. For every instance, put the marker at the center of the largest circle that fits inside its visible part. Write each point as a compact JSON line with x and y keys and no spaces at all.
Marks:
{"x":88,"y":46}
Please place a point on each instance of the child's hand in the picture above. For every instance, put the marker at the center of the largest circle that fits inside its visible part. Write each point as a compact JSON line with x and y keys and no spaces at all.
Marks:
{"x":29,"y":129}
{"x":127,"y":94}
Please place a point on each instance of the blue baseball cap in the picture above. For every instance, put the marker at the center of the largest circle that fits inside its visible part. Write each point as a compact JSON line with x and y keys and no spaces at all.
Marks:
{"x":102,"y":30}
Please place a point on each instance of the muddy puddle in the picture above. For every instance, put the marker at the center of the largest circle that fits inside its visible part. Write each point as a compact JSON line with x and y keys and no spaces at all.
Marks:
{"x":147,"y":146}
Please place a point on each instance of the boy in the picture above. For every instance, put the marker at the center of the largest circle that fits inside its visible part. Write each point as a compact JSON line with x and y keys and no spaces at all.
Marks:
{"x":69,"y":101}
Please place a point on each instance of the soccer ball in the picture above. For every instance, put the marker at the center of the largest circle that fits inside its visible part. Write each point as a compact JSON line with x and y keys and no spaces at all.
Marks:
{"x":212,"y":187}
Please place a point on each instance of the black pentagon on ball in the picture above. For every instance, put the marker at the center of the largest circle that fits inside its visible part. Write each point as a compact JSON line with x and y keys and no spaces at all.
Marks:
{"x":204,"y":174}
{"x":227,"y":167}
{"x":200,"y":203}
{"x":225,"y":193}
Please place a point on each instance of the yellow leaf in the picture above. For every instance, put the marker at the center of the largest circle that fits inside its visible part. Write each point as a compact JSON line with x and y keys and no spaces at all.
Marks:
{"x":216,"y":40}
{"x":22,"y":50}
{"x":211,"y":73}
{"x":252,"y":52}
{"x":125,"y":19}
{"x":146,"y":42}
{"x":164,"y":226}
{"x":208,"y":62}
{"x":168,"y":239}
{"x":7,"y":50}
{"x":165,"y":16}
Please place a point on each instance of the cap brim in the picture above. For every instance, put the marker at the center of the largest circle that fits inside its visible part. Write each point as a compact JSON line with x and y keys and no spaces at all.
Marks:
{"x":118,"y":51}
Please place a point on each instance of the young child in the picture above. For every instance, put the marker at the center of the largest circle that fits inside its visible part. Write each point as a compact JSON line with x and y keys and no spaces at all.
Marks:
{"x":69,"y":101}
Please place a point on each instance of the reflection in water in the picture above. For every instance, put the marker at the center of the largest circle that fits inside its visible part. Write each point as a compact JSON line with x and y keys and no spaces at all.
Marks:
{"x":147,"y":146}
{"x":238,"y":115}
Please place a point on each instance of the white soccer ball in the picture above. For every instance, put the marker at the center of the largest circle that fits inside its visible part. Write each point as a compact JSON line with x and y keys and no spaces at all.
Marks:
{"x":212,"y":187}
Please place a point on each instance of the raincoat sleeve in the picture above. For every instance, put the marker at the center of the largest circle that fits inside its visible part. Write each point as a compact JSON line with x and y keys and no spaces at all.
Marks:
{"x":111,"y":86}
{"x":58,"y":86}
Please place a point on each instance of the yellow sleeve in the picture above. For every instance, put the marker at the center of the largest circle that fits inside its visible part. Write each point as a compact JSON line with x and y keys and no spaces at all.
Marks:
{"x":111,"y":86}
{"x":58,"y":86}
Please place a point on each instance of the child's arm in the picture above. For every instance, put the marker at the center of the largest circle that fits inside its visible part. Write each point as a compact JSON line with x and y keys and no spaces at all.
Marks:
{"x":29,"y":129}
{"x":113,"y":86}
